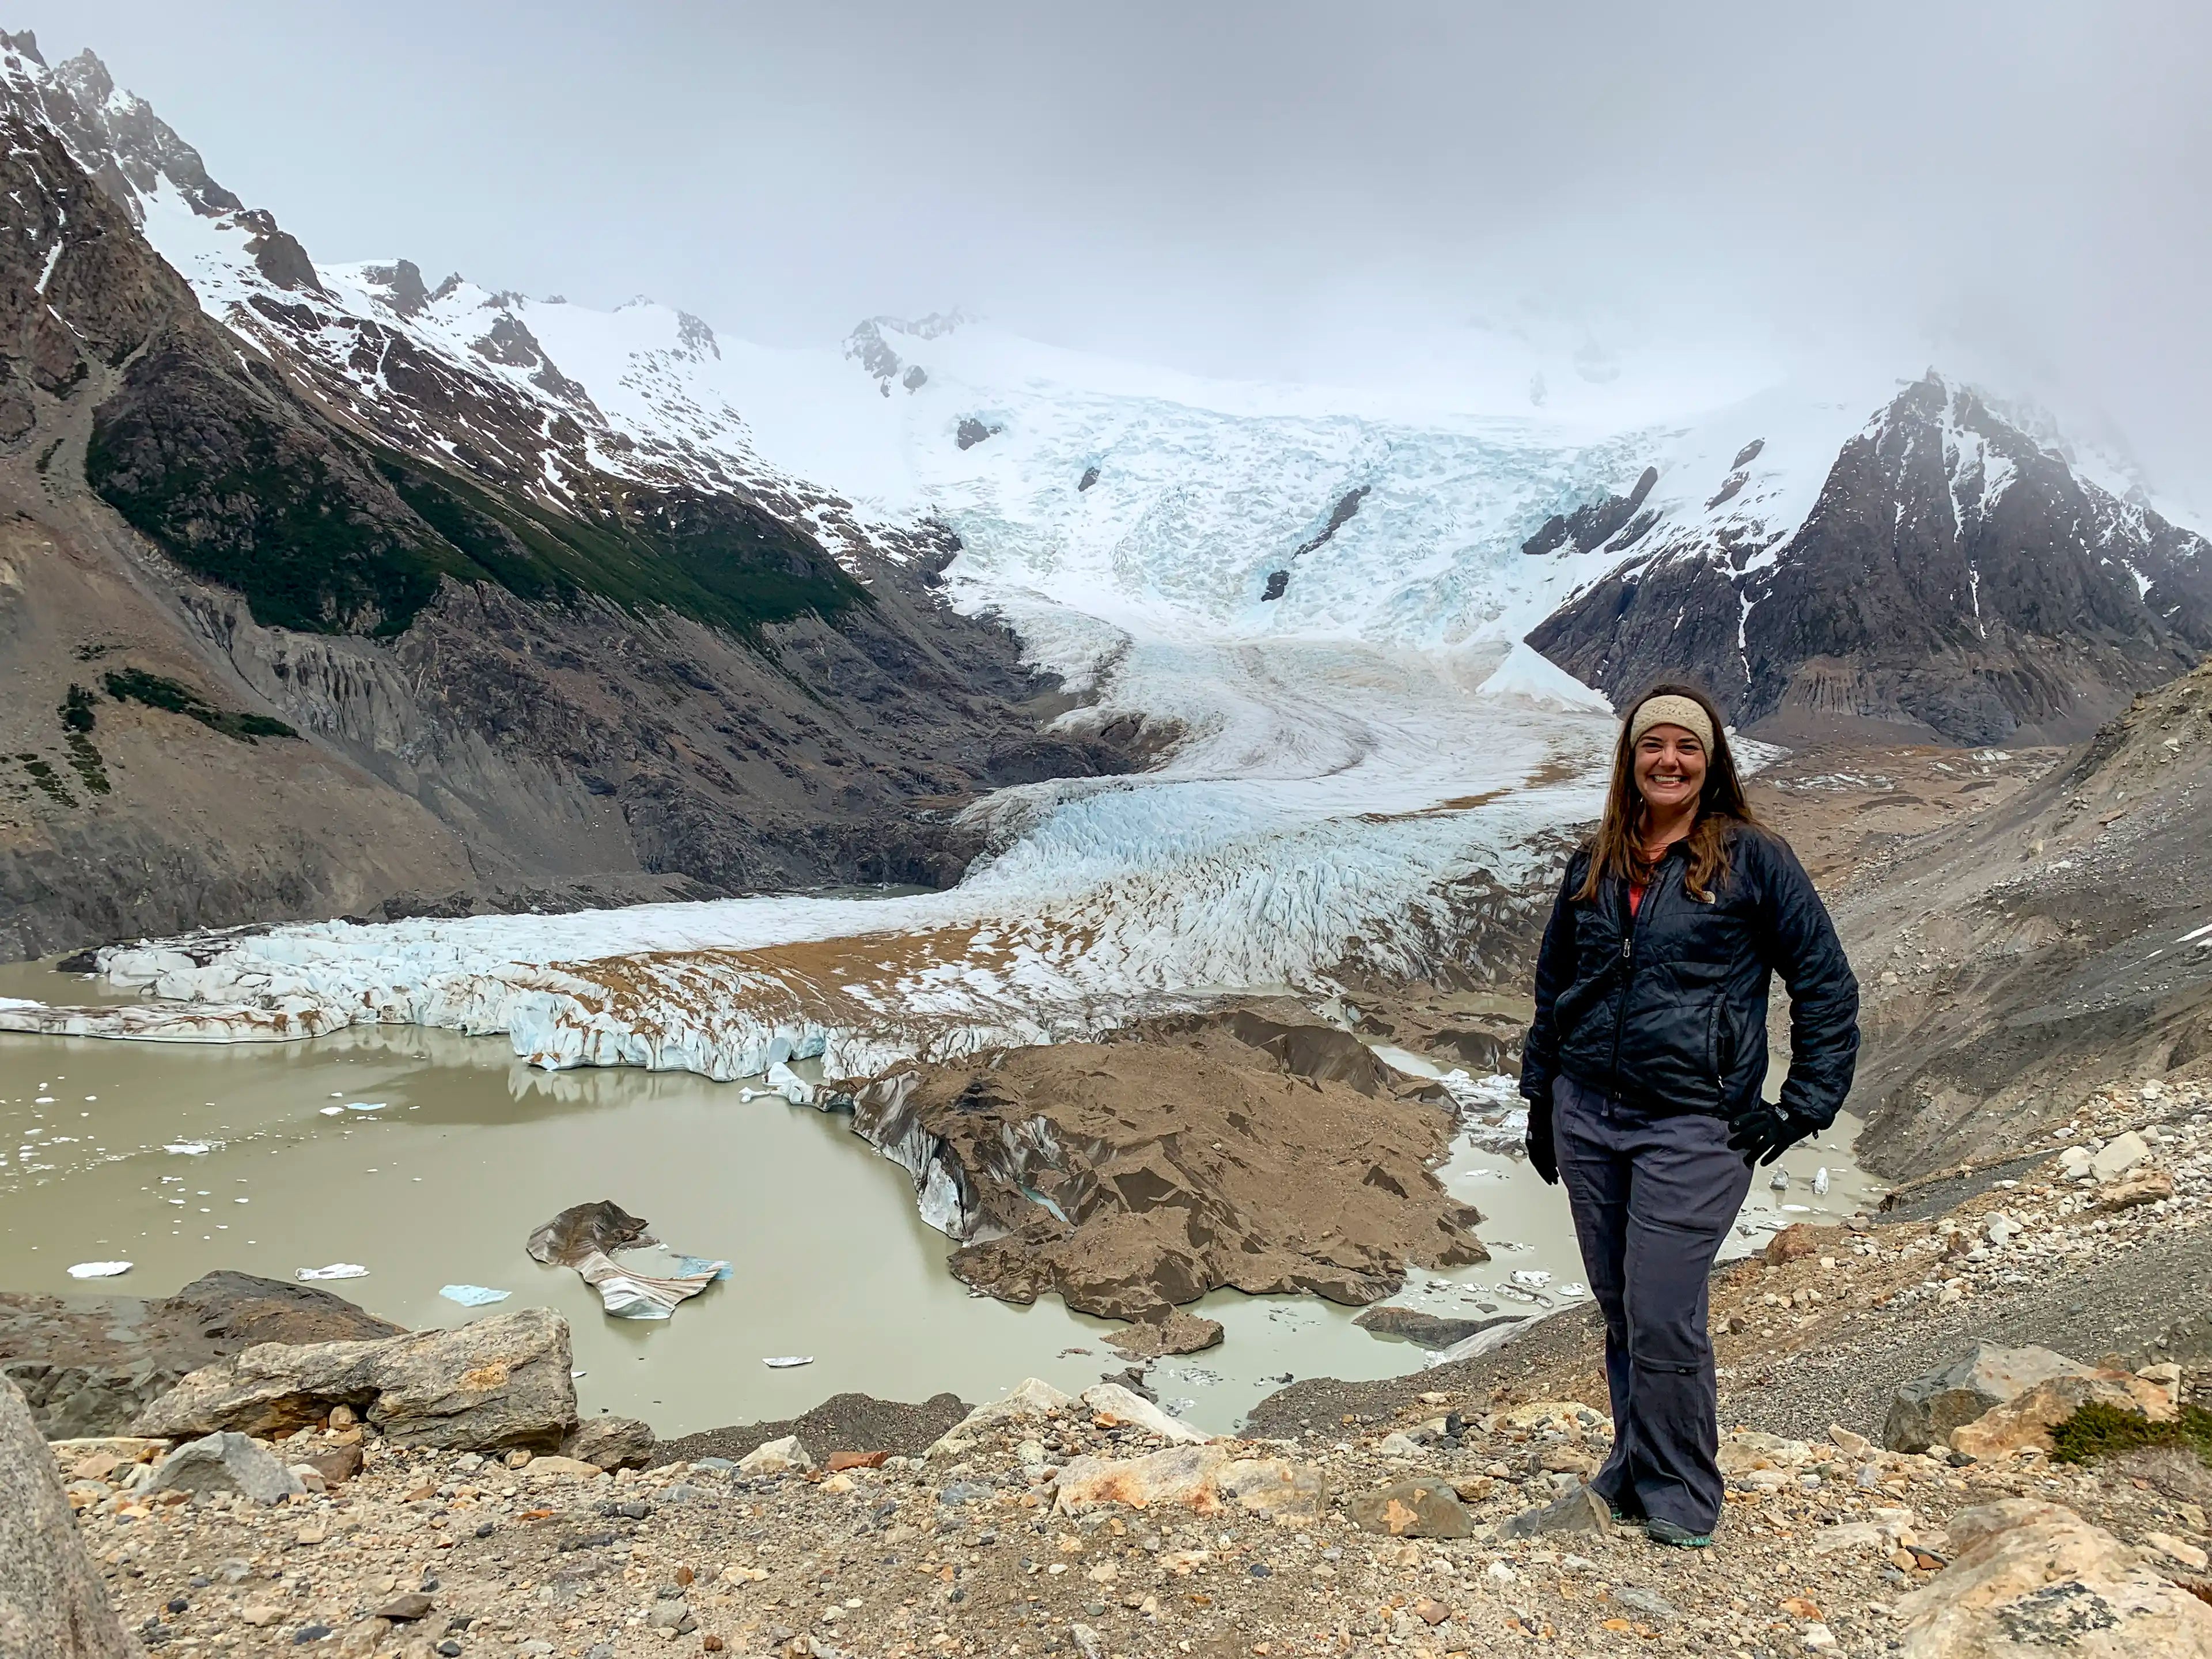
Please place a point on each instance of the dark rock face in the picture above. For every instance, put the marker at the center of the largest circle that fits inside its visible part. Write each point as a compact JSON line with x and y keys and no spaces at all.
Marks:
{"x":971,"y":431}
{"x":1596,"y":524}
{"x":1955,"y":580}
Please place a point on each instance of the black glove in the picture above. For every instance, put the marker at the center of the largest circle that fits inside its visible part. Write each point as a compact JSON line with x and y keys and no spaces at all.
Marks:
{"x":1764,"y":1135}
{"x":1543,"y":1155}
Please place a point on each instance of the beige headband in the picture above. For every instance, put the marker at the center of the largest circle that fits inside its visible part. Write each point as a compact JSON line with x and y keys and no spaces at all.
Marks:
{"x":1670,"y":711}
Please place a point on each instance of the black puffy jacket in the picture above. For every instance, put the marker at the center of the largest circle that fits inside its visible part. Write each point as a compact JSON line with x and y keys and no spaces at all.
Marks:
{"x":1669,"y":1009}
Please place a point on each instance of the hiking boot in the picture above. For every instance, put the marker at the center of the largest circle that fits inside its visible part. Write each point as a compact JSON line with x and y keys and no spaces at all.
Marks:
{"x":1670,"y":1535}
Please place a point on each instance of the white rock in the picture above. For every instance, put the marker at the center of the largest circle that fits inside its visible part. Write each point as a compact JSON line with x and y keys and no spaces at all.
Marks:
{"x":2120,"y":1153}
{"x":777,"y":1457}
{"x":1113,"y":1399}
{"x":1033,"y":1397}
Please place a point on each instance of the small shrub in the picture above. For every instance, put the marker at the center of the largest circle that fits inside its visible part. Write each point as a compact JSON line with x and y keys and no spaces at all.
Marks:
{"x":2098,"y":1430}
{"x":155,"y":691}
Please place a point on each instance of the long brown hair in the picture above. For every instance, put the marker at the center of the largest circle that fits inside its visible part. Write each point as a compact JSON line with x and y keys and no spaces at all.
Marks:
{"x":1617,"y":849}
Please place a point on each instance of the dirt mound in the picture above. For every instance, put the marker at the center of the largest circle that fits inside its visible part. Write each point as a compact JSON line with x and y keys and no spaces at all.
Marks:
{"x":844,"y":1422}
{"x":1126,"y":1176}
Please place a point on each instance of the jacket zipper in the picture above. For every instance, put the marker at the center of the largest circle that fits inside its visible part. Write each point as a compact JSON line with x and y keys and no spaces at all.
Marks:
{"x":1628,"y":959}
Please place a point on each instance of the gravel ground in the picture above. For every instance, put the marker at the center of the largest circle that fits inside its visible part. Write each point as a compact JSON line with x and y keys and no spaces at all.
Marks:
{"x":970,"y":1552}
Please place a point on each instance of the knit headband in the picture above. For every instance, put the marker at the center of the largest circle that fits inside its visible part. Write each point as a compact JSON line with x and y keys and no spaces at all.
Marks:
{"x":1670,"y":711}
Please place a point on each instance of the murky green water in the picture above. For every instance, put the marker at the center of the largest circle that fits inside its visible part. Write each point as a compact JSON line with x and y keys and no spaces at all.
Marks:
{"x":183,"y":1158}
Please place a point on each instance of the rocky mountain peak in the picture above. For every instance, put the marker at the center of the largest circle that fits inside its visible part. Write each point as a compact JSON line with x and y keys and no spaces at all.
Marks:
{"x":402,"y":283}
{"x":115,"y":136}
{"x":1955,"y":578}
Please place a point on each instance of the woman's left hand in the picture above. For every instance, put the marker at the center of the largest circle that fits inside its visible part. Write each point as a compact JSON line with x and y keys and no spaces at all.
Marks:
{"x":1767,"y":1133}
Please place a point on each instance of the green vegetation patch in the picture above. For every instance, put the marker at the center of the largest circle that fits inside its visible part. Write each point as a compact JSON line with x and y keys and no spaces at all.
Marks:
{"x":84,"y":757}
{"x":2098,"y":1430}
{"x":135,"y":685}
{"x":323,"y":531}
{"x":46,"y":778}
{"x":716,"y":560}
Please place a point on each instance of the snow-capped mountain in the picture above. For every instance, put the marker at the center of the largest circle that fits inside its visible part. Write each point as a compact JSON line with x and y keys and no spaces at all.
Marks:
{"x":1954,"y":577}
{"x":1099,"y":502}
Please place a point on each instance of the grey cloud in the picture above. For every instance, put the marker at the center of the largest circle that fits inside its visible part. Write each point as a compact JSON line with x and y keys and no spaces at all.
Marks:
{"x":1258,"y":188}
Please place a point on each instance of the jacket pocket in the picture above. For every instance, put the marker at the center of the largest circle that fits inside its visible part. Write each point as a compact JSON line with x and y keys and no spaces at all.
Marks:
{"x":1716,"y":1058}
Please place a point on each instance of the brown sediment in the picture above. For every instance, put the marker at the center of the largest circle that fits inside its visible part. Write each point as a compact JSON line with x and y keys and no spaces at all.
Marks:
{"x":1126,"y":1178}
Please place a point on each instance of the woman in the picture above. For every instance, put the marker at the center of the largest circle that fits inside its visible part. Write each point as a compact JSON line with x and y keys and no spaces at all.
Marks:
{"x":1643,"y":1072}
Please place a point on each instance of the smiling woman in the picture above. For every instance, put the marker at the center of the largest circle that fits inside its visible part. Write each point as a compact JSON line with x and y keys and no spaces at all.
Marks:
{"x":1644,"y":1073}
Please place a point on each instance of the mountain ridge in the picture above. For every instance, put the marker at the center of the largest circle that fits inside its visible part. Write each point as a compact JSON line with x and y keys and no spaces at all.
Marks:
{"x":633,"y":685}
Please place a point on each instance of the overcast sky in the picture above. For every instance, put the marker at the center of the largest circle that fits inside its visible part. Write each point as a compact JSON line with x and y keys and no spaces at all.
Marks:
{"x":1277,"y":189}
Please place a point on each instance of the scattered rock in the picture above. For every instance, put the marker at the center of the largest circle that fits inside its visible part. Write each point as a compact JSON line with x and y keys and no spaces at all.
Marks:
{"x":406,"y":1609}
{"x":494,"y":1384}
{"x":2030,"y":1578}
{"x":777,"y":1457}
{"x":53,"y":1603}
{"x":1576,"y":1510}
{"x":2119,"y":1155}
{"x":611,"y":1442}
{"x":1648,"y":1602}
{"x":2024,"y":1421}
{"x":2178,"y":1549}
{"x":1112,"y":1400}
{"x":2144,"y":1186}
{"x":335,"y":1464}
{"x":1798,"y":1240}
{"x":227,"y":1462}
{"x":1419,"y":1508}
{"x":1206,"y":1479}
{"x":1926,"y":1409}
{"x":1746,"y":1450}
{"x":1178,"y":1331}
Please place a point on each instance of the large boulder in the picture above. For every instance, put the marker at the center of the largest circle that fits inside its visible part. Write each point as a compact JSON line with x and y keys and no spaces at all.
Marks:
{"x":497,"y":1384}
{"x":1925,"y":1410}
{"x":53,"y":1604}
{"x":2029,"y":1579}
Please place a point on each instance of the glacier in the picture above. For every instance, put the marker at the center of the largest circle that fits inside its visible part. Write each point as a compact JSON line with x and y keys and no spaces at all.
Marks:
{"x":1321,"y":591}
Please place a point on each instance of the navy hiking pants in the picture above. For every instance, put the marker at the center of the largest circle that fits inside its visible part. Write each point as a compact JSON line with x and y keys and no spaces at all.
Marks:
{"x":1653,"y":1196}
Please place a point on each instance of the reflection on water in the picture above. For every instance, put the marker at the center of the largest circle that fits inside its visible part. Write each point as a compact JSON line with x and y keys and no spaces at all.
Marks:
{"x":469,"y":1149}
